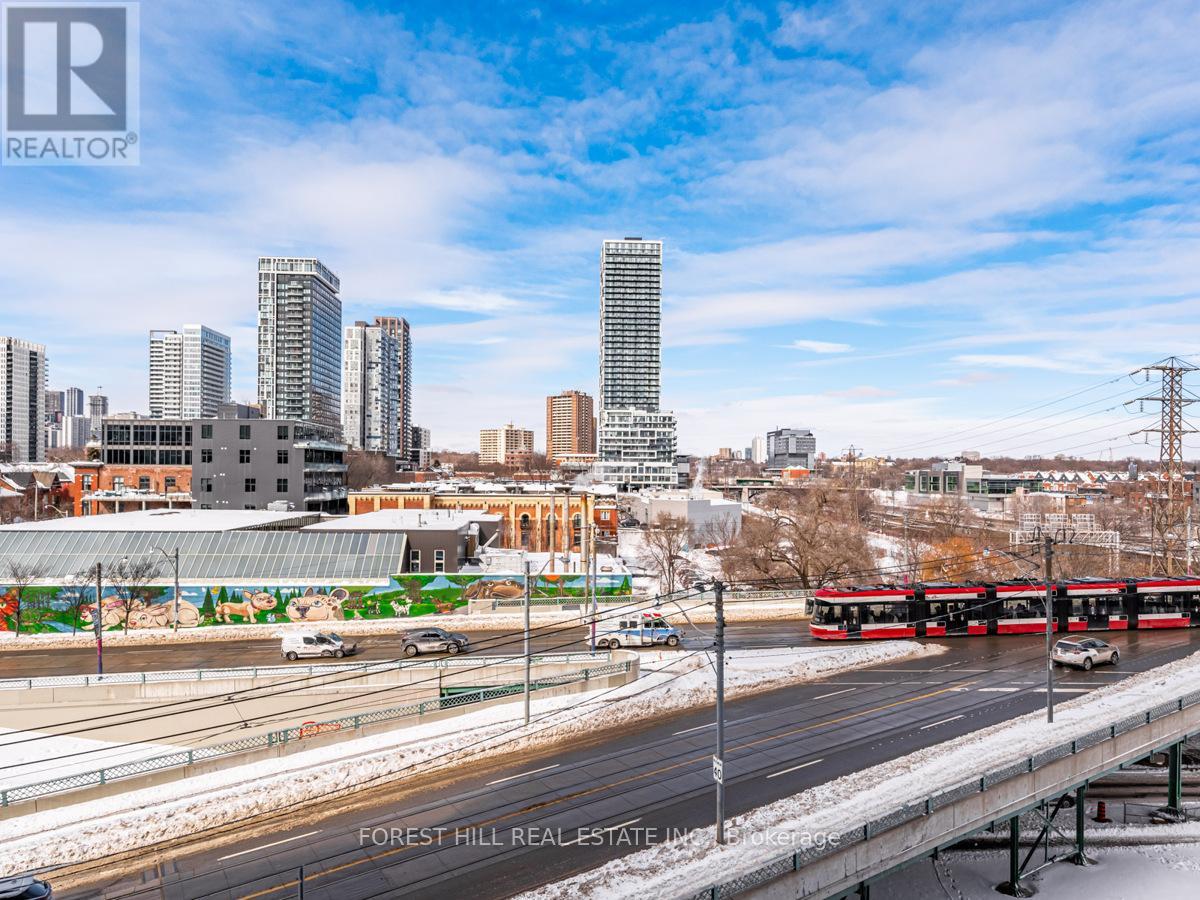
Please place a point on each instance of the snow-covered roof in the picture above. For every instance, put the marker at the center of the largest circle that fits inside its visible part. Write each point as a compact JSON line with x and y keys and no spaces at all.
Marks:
{"x":405,"y":520}
{"x":172,"y":520}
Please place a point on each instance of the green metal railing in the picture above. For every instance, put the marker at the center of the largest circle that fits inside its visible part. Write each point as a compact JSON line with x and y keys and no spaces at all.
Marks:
{"x":284,"y":736}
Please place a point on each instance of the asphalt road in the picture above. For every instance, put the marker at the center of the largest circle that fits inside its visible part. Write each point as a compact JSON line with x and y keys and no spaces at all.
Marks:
{"x":373,"y":648}
{"x":529,"y":808}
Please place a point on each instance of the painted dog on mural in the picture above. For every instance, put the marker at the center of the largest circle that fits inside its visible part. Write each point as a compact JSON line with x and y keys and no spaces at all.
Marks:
{"x":255,"y":601}
{"x":314,"y":607}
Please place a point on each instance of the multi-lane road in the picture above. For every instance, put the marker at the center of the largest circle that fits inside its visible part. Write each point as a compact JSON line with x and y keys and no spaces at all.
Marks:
{"x":373,"y":648}
{"x":514,"y":823}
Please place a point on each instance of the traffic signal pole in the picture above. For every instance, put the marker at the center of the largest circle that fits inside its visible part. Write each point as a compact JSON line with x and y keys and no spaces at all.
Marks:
{"x":1048,"y":552}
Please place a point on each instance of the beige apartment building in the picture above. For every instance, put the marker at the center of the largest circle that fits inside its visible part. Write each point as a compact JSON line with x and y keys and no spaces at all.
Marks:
{"x":507,"y":445}
{"x":570,"y":425}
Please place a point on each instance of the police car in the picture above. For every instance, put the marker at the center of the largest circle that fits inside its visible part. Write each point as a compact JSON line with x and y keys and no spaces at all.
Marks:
{"x":645,"y":631}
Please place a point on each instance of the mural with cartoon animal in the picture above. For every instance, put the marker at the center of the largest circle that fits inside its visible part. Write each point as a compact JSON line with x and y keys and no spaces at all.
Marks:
{"x":63,"y":608}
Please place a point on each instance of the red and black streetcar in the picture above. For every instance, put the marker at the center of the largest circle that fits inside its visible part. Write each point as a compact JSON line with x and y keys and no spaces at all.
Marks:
{"x":1007,"y":607}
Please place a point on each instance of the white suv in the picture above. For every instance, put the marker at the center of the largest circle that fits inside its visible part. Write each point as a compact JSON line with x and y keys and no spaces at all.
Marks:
{"x":1084,"y":653}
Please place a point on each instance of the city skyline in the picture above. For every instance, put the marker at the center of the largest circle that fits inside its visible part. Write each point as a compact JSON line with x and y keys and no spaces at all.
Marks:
{"x":878,"y":297}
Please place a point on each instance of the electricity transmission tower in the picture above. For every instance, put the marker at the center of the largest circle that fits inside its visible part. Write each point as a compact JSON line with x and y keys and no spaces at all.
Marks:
{"x":1169,"y":504}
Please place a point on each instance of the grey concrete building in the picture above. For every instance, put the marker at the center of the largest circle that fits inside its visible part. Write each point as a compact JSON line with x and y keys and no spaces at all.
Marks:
{"x":439,"y":540}
{"x":239,"y":462}
{"x":299,"y":340}
{"x":791,"y":448}
{"x":398,"y":328}
{"x":249,"y":463}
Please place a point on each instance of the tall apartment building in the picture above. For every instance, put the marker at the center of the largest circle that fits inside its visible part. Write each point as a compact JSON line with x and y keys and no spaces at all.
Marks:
{"x":74,"y":402}
{"x":421,"y":450}
{"x":97,"y":410}
{"x":299,"y":340}
{"x":507,"y":445}
{"x":22,"y":400}
{"x":570,"y":424}
{"x":398,"y":328}
{"x":190,"y":372}
{"x":636,"y":441}
{"x":55,"y":406}
{"x":370,"y":388}
{"x":630,"y":324}
{"x":76,"y":431}
{"x":789,"y":448}
{"x":758,"y":450}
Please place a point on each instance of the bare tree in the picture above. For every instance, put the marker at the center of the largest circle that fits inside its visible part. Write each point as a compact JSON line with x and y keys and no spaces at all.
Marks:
{"x":365,"y":468}
{"x":130,"y":578}
{"x":21,"y":575}
{"x":811,"y":536}
{"x":665,"y":540}
{"x":82,"y":586}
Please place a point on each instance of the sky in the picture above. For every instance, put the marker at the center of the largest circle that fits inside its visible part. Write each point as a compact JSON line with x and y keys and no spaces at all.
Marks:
{"x":893,"y":223}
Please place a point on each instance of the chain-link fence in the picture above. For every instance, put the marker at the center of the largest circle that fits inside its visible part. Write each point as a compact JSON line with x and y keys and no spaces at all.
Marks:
{"x":288,"y":735}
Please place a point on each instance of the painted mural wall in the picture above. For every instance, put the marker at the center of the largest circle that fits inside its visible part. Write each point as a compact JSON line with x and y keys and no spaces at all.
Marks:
{"x":71,"y":608}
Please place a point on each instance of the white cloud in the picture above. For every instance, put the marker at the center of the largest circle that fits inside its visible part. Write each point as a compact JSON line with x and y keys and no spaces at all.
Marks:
{"x":820,"y":346}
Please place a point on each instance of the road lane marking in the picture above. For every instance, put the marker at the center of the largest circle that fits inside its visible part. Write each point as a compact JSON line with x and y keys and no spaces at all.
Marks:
{"x":835,"y":693}
{"x":618,"y":783}
{"x":268,"y":846}
{"x":697,"y":728}
{"x":609,"y":828}
{"x":523,"y":774}
{"x":794,"y":768}
{"x":943,"y":722}
{"x":999,"y":690}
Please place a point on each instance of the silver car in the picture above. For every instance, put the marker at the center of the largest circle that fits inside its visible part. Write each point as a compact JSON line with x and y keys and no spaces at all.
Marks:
{"x":434,"y":640}
{"x":1084,"y":653}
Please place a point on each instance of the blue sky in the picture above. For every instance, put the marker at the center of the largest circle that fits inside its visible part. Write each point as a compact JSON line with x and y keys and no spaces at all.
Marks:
{"x":887,"y":222}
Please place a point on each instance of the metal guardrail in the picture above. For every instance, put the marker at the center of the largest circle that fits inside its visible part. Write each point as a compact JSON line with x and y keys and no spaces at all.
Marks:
{"x":449,"y":662}
{"x":287,"y":735}
{"x":796,"y":860}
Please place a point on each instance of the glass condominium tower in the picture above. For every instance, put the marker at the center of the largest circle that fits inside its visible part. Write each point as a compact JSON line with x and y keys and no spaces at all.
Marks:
{"x":630,"y":324}
{"x":636,"y":439}
{"x":299,"y":340}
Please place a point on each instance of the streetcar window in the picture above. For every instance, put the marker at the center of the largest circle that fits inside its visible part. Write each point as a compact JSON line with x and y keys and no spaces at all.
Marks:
{"x":885,"y":612}
{"x":1020,"y":609}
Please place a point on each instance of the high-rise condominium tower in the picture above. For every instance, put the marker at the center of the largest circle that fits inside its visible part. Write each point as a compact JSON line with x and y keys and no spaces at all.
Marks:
{"x":630,"y":324}
{"x":398,"y":328}
{"x":370,"y":388}
{"x":636,"y":439}
{"x":190,"y":372}
{"x":570,"y":425}
{"x":97,"y":410}
{"x":299,"y":340}
{"x":22,"y":400}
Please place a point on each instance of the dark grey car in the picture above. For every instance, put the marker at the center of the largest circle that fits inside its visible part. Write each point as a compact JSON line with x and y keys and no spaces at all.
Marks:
{"x":434,"y":640}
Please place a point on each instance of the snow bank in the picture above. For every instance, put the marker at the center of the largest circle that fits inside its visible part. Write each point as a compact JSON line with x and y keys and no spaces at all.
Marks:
{"x":845,"y":803}
{"x":26,"y":763}
{"x":84,"y":830}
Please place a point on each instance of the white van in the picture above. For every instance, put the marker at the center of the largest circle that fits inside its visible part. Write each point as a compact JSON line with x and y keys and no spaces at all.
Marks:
{"x":317,"y":643}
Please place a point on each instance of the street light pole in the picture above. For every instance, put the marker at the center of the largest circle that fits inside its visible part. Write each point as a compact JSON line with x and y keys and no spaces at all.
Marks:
{"x":719,"y":758}
{"x":1048,"y":553}
{"x":98,"y":621}
{"x":528,"y":595}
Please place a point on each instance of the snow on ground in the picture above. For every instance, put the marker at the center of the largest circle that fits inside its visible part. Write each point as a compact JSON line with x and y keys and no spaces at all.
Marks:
{"x":846,"y":802}
{"x":84,"y":830}
{"x":890,"y":550}
{"x":27,"y":763}
{"x":1120,"y":873}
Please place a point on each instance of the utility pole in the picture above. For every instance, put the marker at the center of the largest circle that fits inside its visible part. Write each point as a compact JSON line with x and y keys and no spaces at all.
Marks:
{"x":1048,"y":552}
{"x":528,"y":596}
{"x":98,"y":621}
{"x":1170,"y":503}
{"x":594,"y":570}
{"x":719,"y":758}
